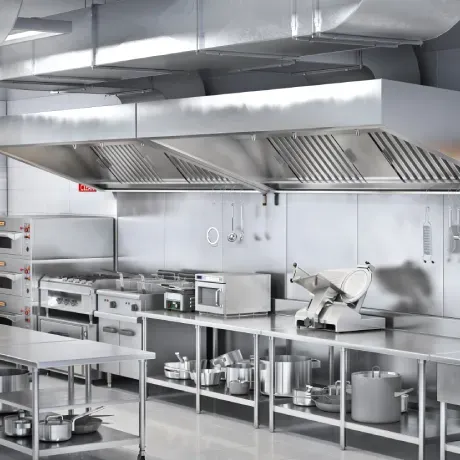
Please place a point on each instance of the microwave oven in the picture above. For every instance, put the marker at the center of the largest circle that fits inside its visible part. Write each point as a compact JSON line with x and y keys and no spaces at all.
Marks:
{"x":233,"y":294}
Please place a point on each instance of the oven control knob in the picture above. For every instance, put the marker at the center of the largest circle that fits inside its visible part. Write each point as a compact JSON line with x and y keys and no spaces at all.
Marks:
{"x":73,"y":302}
{"x":59,"y":300}
{"x":66,"y":301}
{"x":134,"y":307}
{"x":113,"y":304}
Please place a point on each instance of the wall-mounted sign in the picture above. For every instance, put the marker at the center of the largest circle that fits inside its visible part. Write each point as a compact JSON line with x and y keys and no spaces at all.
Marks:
{"x":85,"y":188}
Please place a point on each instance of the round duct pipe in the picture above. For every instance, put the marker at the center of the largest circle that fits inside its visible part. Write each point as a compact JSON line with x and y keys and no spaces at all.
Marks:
{"x":9,"y":11}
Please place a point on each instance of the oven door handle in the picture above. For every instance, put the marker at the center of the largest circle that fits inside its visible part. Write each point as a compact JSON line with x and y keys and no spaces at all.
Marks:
{"x":11,"y":276}
{"x":110,"y":330}
{"x":218,"y":291}
{"x":11,"y":235}
{"x":127,"y":332}
{"x":62,"y":334}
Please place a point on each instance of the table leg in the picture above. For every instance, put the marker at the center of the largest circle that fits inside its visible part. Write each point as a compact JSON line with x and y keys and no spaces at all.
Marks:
{"x":421,"y":408}
{"x":35,"y":415}
{"x":271,"y":380}
{"x":109,"y":380}
{"x":331,"y":366}
{"x":215,"y":342}
{"x":198,"y":368}
{"x":88,"y":388}
{"x":256,"y":381}
{"x":443,"y":431}
{"x":71,"y":387}
{"x":343,"y":396}
{"x":142,"y":408}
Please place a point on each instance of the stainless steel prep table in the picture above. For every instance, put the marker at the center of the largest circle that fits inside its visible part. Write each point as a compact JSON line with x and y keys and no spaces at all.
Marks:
{"x":42,"y":354}
{"x":416,"y":426}
{"x":14,"y":335}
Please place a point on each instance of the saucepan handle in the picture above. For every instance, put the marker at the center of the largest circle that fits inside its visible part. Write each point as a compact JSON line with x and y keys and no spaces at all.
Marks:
{"x":398,"y":394}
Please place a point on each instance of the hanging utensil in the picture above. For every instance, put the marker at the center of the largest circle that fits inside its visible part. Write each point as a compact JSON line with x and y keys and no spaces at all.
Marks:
{"x":232,"y":236}
{"x":257,"y":236}
{"x":179,"y":357}
{"x":427,"y":238}
{"x":267,"y":234}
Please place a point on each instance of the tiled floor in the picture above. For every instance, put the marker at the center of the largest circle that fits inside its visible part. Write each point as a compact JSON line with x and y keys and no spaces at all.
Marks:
{"x":175,"y":432}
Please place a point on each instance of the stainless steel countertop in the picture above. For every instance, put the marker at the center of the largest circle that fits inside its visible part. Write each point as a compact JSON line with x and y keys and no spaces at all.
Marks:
{"x":68,"y":353}
{"x":388,"y":342}
{"x":10,"y":335}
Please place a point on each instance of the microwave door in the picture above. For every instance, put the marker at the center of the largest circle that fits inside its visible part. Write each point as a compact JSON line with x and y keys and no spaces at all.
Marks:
{"x":211,"y":297}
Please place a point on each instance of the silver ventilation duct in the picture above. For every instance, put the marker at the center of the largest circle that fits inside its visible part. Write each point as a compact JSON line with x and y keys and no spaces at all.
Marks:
{"x":9,"y":10}
{"x":138,"y":38}
{"x":369,"y":135}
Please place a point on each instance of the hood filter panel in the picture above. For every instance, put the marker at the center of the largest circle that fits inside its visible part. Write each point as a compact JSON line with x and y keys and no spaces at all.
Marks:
{"x":414,"y":164}
{"x":127,"y":163}
{"x":316,"y":159}
{"x":195,"y":174}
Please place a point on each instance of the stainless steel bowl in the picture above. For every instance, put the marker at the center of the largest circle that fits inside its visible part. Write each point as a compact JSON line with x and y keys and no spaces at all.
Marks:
{"x":238,"y":387}
{"x":209,"y":377}
{"x":228,"y":359}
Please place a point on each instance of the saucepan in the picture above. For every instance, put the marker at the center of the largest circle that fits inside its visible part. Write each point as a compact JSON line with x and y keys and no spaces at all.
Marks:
{"x":56,"y":428}
{"x":18,"y":425}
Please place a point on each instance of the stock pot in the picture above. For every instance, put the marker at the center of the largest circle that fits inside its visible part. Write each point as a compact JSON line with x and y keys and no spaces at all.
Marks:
{"x":291,"y":371}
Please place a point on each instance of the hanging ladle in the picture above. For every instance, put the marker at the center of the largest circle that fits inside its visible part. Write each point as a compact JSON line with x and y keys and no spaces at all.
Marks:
{"x":232,"y":236}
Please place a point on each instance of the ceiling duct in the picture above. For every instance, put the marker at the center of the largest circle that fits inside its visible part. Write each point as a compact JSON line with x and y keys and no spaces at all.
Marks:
{"x":138,"y":38}
{"x":9,"y":14}
{"x":368,"y":135}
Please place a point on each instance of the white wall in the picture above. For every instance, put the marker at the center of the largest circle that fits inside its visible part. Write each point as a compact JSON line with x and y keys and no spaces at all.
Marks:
{"x":33,"y":191}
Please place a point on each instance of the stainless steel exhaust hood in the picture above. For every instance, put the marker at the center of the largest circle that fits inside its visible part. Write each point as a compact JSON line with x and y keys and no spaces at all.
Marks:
{"x":371,"y":135}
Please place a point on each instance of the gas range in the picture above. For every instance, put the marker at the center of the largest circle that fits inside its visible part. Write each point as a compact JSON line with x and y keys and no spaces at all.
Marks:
{"x":74,"y":293}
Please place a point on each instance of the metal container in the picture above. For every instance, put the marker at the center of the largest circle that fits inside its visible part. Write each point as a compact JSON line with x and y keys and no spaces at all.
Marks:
{"x":404,"y":403}
{"x":12,"y":380}
{"x":181,"y":371}
{"x":376,"y":396}
{"x":228,"y":359}
{"x":18,"y":425}
{"x":239,"y":387}
{"x":209,"y":377}
{"x":241,"y":371}
{"x":290,"y":372}
{"x":306,"y":396}
{"x":331,"y":403}
{"x":55,"y":429}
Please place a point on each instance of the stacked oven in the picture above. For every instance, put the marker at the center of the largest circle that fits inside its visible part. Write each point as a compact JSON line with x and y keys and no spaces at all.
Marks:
{"x":31,"y":247}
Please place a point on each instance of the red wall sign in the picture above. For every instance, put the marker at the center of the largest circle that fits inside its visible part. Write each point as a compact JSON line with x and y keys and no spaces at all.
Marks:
{"x":85,"y":188}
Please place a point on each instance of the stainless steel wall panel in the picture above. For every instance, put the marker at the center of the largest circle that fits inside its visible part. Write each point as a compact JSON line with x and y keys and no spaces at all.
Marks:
{"x":451,"y":260}
{"x":263,"y":248}
{"x":141,"y":232}
{"x":390,"y":237}
{"x":187,"y":219}
{"x":321,"y":233}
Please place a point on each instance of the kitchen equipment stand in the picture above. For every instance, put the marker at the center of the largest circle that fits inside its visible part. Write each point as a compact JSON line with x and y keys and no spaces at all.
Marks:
{"x":69,"y":353}
{"x":416,"y":427}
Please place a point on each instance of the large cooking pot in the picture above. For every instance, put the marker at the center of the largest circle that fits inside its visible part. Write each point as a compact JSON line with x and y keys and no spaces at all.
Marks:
{"x":241,"y":371}
{"x":291,"y":371}
{"x":12,"y":379}
{"x":376,"y":396}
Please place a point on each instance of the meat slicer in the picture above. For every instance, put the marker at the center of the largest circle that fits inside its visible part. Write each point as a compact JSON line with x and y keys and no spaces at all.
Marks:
{"x":338,"y":296}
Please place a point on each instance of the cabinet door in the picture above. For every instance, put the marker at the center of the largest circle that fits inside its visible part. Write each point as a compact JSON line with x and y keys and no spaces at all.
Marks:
{"x":55,"y":327}
{"x":109,"y":333}
{"x":130,"y":337}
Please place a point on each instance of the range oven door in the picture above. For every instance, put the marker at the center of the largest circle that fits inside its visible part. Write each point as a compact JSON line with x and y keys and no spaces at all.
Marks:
{"x":13,"y":243}
{"x":210,"y":297}
{"x":11,"y":283}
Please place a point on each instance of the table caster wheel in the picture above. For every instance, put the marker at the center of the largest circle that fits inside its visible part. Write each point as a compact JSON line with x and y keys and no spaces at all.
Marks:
{"x":141,"y":457}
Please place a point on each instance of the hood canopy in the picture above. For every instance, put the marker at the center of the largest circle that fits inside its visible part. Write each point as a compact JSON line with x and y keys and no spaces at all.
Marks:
{"x":371,"y":135}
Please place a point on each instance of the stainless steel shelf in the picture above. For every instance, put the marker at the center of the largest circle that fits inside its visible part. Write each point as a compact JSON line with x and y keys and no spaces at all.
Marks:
{"x":308,"y":413}
{"x":453,"y":447}
{"x":105,"y":438}
{"x":407,"y":429}
{"x":180,"y":385}
{"x":217,"y":392}
{"x":53,"y":400}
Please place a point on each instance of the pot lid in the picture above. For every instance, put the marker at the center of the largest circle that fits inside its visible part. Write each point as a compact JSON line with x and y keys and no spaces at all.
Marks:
{"x":356,"y":284}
